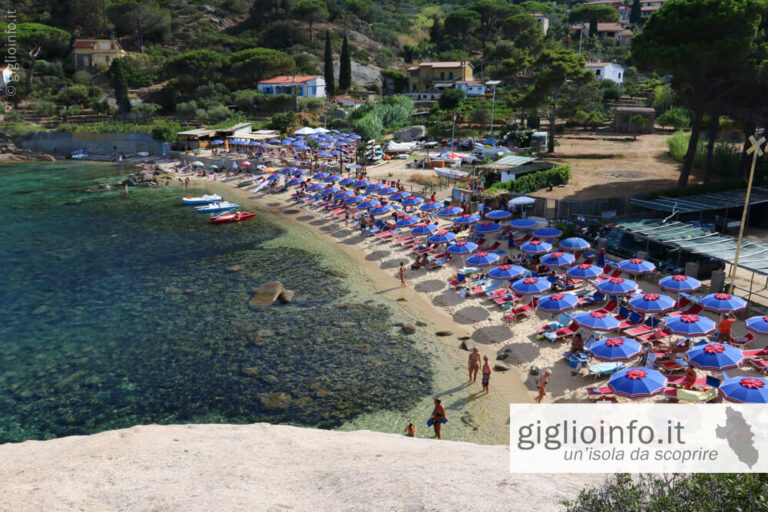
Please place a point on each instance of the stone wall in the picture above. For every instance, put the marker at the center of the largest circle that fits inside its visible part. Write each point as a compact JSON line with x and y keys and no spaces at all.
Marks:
{"x":64,"y":143}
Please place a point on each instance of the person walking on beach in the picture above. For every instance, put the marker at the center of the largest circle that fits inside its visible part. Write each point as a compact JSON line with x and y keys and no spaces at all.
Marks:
{"x":486,"y":374}
{"x":474,"y":364}
{"x":402,"y":275}
{"x":438,"y":415}
{"x":543,"y":379}
{"x":725,"y":327}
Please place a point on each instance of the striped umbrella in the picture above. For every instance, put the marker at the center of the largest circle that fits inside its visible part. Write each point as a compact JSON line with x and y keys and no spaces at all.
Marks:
{"x":431,"y":206}
{"x":462,"y":247}
{"x":596,"y":321}
{"x":617,"y":286}
{"x":531,"y":286}
{"x":442,"y":237}
{"x":425,"y":229}
{"x":652,"y":303}
{"x":679,"y":283}
{"x":355,"y":199}
{"x":381,"y":210}
{"x":637,"y":382}
{"x":450,"y":211}
{"x":406,"y":222}
{"x":483,"y":259}
{"x":400,"y":195}
{"x":636,"y":266}
{"x":615,"y":349}
{"x":715,"y":356}
{"x":387,"y":191}
{"x":690,"y":325}
{"x":584,"y":271}
{"x":522,"y":224}
{"x":508,"y":272}
{"x":485,"y":228}
{"x":574,"y":244}
{"x":558,"y":259}
{"x":375,"y":187}
{"x":758,"y":324}
{"x":412,"y":201}
{"x":370,"y":203}
{"x":347,"y":181}
{"x":536,"y":247}
{"x":547,"y":233}
{"x":498,"y":215}
{"x":558,"y":302}
{"x":746,"y":390}
{"x":723,"y":302}
{"x":466,"y":219}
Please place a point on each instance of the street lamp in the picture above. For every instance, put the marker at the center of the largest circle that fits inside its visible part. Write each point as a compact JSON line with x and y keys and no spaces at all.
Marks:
{"x":492,"y":83}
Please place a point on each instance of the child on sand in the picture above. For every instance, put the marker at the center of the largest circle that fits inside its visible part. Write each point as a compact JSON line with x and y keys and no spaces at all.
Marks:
{"x":410,"y":429}
{"x":543,"y":379}
{"x":486,"y":374}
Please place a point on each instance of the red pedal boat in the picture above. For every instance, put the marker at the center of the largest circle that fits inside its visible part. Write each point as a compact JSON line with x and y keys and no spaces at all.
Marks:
{"x":232,"y":217}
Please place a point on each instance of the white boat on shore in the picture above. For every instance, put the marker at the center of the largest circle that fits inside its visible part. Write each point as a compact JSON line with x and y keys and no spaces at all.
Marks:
{"x":206,"y":199}
{"x":217,"y":207}
{"x":453,"y":174}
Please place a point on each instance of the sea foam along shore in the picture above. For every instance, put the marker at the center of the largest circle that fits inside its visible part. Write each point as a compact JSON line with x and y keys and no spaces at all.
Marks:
{"x":482,"y":419}
{"x":263,"y":467}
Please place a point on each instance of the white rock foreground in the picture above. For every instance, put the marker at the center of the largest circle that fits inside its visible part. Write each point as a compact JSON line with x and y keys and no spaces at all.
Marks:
{"x":264,"y":467}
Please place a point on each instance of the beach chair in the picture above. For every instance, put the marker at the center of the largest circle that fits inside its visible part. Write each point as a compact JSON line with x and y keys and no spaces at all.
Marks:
{"x":693,"y":310}
{"x":491,"y":248}
{"x":460,"y":280}
{"x":654,"y":336}
{"x":498,"y":293}
{"x":609,"y":307}
{"x":690,"y":395}
{"x":563,"y":332}
{"x":577,"y":361}
{"x":601,"y":394}
{"x":740,"y":341}
{"x":676,"y":381}
{"x":421,"y":249}
{"x":650,"y":323}
{"x":522,"y":311}
{"x":562,"y":321}
{"x":665,"y":366}
{"x":507,"y":300}
{"x":605,"y":369}
{"x":520,"y":241}
{"x":438,"y":261}
{"x":591,"y":299}
{"x":487,"y":288}
{"x":632,"y":320}
{"x":755,"y":353}
{"x":761,"y":365}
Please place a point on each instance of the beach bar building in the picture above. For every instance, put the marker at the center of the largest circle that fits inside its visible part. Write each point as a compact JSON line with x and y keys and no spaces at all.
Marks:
{"x":199,"y":138}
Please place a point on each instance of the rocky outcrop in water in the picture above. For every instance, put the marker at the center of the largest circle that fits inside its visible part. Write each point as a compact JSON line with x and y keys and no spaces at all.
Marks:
{"x":268,"y":293}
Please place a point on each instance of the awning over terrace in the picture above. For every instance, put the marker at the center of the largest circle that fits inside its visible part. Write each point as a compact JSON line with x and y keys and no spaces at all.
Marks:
{"x":704,"y":202}
{"x":679,"y":235}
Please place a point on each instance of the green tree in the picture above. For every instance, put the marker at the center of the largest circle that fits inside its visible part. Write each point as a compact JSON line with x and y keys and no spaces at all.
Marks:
{"x":492,"y":13}
{"x":256,"y":64}
{"x":462,"y":22}
{"x":39,"y":41}
{"x":556,"y":70}
{"x":328,"y":71}
{"x":639,"y":122}
{"x":142,"y":18}
{"x":146,"y":110}
{"x":89,"y":17}
{"x":197,"y":64}
{"x":705,"y":45}
{"x":310,"y":11}
{"x":283,"y":122}
{"x":345,"y":67}
{"x":636,"y":14}
{"x":594,"y":14}
{"x":676,"y":117}
{"x":517,"y":24}
{"x":119,"y":82}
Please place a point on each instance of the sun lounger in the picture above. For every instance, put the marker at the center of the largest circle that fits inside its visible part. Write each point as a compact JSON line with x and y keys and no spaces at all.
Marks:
{"x":520,"y":241}
{"x":689,"y":395}
{"x":563,"y":332}
{"x":601,"y":394}
{"x":650,"y":323}
{"x":742,"y":340}
{"x":761,"y":365}
{"x":693,"y":310}
{"x":608,"y":308}
{"x":654,"y":336}
{"x":678,"y":380}
{"x":591,"y":299}
{"x":605,"y":369}
{"x":522,"y":311}
{"x":562,"y":321}
{"x":632,"y":321}
{"x":490,"y":248}
{"x":677,"y":365}
{"x":487,"y":288}
{"x":758,"y":352}
{"x":507,"y":300}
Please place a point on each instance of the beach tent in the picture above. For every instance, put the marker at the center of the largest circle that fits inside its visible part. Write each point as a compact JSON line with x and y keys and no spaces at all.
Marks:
{"x":304,"y":131}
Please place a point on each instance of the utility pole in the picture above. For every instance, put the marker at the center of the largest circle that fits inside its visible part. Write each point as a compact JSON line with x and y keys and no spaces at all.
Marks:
{"x":755,"y":150}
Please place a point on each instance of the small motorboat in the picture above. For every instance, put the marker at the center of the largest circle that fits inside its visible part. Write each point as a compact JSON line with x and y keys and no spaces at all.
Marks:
{"x":453,"y":174}
{"x":244,"y":183}
{"x":80,"y":154}
{"x":232,"y":217}
{"x":222,"y":206}
{"x":206,"y":199}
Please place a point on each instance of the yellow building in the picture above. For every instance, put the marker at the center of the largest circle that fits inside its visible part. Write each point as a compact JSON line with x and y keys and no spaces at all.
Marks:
{"x":431,"y":76}
{"x":91,"y":53}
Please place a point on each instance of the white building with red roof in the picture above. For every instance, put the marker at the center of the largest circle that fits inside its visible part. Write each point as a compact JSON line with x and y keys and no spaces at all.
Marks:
{"x":310,"y":86}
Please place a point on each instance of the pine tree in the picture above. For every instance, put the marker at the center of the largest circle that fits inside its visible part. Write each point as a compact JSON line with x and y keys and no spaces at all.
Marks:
{"x":329,"y":82}
{"x":345,"y":67}
{"x":636,"y":14}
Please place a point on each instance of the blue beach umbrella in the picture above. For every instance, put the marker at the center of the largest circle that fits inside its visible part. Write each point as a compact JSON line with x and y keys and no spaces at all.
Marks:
{"x":486,"y":228}
{"x":636,"y":266}
{"x":637,"y":382}
{"x":332,"y":178}
{"x":299,"y":172}
{"x":406,"y":222}
{"x":723,"y":302}
{"x":370,"y":203}
{"x":355,"y":199}
{"x":652,"y":303}
{"x":584,"y":271}
{"x":483,"y":259}
{"x":401,"y":195}
{"x":574,"y":243}
{"x":316,"y":186}
{"x":412,"y":201}
{"x":547,"y":233}
{"x":274,"y":141}
{"x":294,"y":181}
{"x":466,"y":219}
{"x":442,"y":237}
{"x":335,"y":152}
{"x":273,"y":177}
{"x":426,"y":229}
{"x":679,"y":283}
{"x":522,"y":224}
{"x":558,"y":302}
{"x":329,"y":191}
{"x":535,"y":247}
{"x":450,"y":211}
{"x":745,"y":390}
{"x":498,"y":215}
{"x":690,"y":325}
{"x":381,"y":210}
{"x":345,"y":195}
{"x":375,"y":187}
{"x":508,"y":272}
{"x":387,"y":191}
{"x":758,"y":324}
{"x":558,"y":259}
{"x":430,"y":206}
{"x":531,"y":285}
{"x":347,"y":181}
{"x":217,"y":142}
{"x":617,"y":286}
{"x":596,"y":321}
{"x":715,"y":356}
{"x":320,"y":176}
{"x":462,"y":247}
{"x":615,"y":349}
{"x":361,"y":183}
{"x":286,"y":142}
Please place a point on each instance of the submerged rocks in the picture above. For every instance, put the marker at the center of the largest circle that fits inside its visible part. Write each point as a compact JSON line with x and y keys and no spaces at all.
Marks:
{"x":409,"y":329}
{"x":232,"y":268}
{"x":502,"y":367}
{"x":249,"y":371}
{"x":268,"y":293}
{"x":40,"y":310}
{"x":467,"y":345}
{"x":444,"y":333}
{"x":278,"y":400}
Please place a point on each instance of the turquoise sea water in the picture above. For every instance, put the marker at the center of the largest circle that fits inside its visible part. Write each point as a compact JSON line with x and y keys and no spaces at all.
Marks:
{"x":117,"y":310}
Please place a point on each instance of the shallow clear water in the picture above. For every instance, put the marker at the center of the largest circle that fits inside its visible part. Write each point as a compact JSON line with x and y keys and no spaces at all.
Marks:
{"x":118,"y":309}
